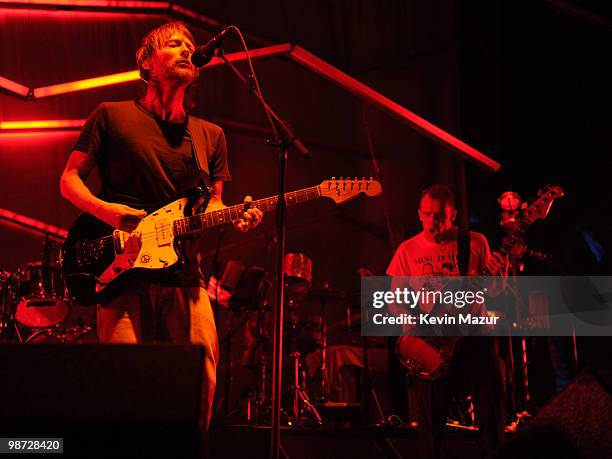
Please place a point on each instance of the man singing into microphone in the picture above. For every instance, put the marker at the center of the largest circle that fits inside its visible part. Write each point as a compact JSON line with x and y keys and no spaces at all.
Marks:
{"x":144,"y":151}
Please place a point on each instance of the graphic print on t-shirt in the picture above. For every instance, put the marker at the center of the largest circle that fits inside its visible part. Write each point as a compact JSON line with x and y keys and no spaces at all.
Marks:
{"x":435,"y":265}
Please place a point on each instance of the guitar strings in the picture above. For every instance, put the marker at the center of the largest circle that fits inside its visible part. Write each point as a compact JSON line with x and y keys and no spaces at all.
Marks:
{"x":218,"y":217}
{"x":214,"y":218}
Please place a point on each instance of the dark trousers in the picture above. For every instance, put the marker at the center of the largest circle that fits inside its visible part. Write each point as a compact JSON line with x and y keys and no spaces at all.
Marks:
{"x":476,"y":369}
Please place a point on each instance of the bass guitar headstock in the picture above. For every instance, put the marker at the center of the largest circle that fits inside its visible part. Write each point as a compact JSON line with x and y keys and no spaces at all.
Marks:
{"x":539,"y":208}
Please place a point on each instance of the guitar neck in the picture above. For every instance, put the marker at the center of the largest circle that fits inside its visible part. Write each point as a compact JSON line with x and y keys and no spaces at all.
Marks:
{"x":516,"y":236}
{"x":510,"y":242}
{"x":201,"y":222}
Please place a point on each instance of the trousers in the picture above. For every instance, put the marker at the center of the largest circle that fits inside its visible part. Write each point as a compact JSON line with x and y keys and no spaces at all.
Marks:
{"x":152,"y":313}
{"x":476,"y":369}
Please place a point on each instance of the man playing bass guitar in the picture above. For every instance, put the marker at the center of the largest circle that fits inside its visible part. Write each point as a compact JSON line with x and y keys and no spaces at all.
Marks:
{"x":475,"y":366}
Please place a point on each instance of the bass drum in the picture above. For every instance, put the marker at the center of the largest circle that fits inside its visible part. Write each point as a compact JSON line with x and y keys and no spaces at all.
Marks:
{"x":43,"y":302}
{"x":62,"y":335}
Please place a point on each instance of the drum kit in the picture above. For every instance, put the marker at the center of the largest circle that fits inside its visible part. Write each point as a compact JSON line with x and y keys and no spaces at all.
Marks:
{"x":35,"y":307}
{"x":311,"y":317}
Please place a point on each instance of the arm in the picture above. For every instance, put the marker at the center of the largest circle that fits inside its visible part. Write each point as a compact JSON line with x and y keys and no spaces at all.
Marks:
{"x":216,"y":202}
{"x":73,"y":188}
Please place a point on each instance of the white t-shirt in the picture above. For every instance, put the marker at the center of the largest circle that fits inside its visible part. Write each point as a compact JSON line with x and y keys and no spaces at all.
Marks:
{"x":419,"y":257}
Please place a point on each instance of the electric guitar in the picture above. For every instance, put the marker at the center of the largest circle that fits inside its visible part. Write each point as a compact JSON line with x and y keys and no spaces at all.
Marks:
{"x":97,"y":259}
{"x":430,"y":357}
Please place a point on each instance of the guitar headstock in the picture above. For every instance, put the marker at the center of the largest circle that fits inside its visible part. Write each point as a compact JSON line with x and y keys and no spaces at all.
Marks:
{"x":343,"y":190}
{"x":541,"y":206}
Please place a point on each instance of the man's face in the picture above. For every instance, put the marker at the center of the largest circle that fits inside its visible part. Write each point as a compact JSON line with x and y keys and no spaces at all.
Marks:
{"x":436,"y":217}
{"x":172,"y":62}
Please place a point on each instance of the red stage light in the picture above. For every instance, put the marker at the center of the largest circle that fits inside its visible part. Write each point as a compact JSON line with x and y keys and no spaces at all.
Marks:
{"x":132,"y":75}
{"x":326,"y":70}
{"x":41,"y":124}
{"x":16,"y":138}
{"x":19,"y":14}
{"x":88,"y":83}
{"x":13,"y":86}
{"x":32,"y":223}
{"x":90,"y":4}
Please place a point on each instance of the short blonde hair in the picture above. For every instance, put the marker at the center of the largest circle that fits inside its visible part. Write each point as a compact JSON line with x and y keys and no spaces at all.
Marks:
{"x":155,"y":39}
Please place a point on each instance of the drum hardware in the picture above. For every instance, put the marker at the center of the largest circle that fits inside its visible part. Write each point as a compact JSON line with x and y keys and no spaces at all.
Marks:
{"x":323,"y":295}
{"x":59,"y":334}
{"x":301,"y":405}
{"x":43,"y":302}
{"x":244,"y":292}
{"x":34,"y":305}
{"x":8,"y":292}
{"x":298,"y":279}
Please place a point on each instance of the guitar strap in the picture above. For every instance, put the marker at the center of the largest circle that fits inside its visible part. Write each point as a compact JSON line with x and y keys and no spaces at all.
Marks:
{"x":463,"y":251}
{"x":198,"y":146}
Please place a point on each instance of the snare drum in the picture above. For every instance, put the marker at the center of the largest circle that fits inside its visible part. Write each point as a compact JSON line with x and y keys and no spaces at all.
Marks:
{"x":42,"y":290}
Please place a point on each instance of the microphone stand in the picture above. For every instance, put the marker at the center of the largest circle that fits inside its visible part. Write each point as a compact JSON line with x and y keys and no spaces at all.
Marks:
{"x":283,"y":140}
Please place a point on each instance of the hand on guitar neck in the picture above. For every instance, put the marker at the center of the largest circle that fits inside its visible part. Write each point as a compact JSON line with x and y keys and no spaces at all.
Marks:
{"x":496,"y":267}
{"x":251,"y":217}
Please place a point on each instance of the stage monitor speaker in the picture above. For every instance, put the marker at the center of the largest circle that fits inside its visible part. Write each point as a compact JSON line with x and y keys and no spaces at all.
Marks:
{"x":104,"y":400}
{"x":576,"y":423}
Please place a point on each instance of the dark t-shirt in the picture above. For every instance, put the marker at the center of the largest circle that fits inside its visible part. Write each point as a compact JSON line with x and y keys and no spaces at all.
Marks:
{"x":143,"y":160}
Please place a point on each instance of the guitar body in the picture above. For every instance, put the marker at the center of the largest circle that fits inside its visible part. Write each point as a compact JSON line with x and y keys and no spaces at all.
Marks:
{"x":98,"y":260}
{"x":428,"y":357}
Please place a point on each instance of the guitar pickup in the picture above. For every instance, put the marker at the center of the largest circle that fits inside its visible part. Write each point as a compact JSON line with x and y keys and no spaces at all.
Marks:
{"x":163,"y":232}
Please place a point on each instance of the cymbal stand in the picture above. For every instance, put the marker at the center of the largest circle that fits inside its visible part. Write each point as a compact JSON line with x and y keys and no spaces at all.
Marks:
{"x":300,"y":401}
{"x":324,"y":381}
{"x":519,"y":307}
{"x":7,"y":318}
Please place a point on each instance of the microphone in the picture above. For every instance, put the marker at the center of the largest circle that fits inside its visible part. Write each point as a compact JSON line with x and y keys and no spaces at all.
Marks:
{"x":203,"y":54}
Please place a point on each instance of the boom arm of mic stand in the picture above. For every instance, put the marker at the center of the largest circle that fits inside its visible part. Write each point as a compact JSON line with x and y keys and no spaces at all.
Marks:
{"x":276,"y":123}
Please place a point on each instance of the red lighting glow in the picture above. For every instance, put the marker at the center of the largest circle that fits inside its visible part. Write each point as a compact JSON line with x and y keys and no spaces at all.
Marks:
{"x":88,"y":83}
{"x":32,"y":223}
{"x":20,"y":14}
{"x":21,"y":137}
{"x":132,"y":75}
{"x":41,"y":124}
{"x":12,"y":86}
{"x":89,"y":4}
{"x":319,"y":66}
